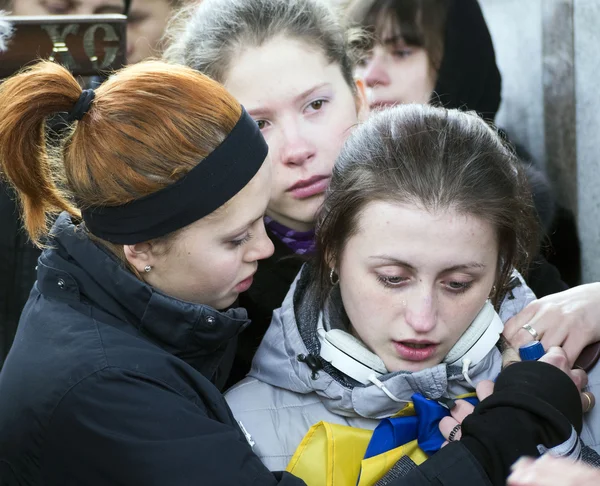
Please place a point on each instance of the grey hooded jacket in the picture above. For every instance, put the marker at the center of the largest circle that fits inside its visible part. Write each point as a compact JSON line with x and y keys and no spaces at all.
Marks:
{"x":282,"y":398}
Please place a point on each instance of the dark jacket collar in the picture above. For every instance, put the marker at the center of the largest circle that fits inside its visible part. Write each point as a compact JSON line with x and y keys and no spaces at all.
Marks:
{"x":76,"y":270}
{"x":468,"y":77}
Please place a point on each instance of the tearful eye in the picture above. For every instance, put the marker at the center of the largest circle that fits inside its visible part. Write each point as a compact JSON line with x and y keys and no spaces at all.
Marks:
{"x":458,"y":287}
{"x":394,"y":281}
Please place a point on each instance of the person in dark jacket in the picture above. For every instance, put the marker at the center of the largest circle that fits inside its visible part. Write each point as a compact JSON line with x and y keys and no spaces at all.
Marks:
{"x":109,"y":378}
{"x":441,"y":52}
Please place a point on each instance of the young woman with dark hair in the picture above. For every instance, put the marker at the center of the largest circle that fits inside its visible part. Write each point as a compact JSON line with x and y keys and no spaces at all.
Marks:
{"x":426,"y":218}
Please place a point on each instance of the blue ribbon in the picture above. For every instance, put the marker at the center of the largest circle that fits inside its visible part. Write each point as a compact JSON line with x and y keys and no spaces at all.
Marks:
{"x":424,"y":426}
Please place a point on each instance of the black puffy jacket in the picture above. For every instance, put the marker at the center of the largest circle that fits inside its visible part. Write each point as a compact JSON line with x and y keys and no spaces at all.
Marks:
{"x":109,"y":382}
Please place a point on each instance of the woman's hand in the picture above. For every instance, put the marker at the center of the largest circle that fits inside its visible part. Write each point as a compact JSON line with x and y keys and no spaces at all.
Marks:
{"x":450,"y":426}
{"x":551,"y":471}
{"x":461,"y":411}
{"x":557,"y":357}
{"x":568,"y":319}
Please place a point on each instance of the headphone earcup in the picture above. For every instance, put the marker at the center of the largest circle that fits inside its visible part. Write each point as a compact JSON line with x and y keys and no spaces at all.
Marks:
{"x":354,"y":348}
{"x":484,"y":332}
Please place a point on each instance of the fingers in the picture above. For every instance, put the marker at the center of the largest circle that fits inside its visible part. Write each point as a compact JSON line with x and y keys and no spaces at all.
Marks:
{"x":568,"y":319}
{"x":523,"y":463}
{"x":461,"y":410}
{"x":580,"y":378}
{"x":509,"y":356}
{"x":523,"y":473}
{"x":450,"y":426}
{"x":556,"y":357}
{"x":551,"y":471}
{"x":450,"y":429}
{"x":513,"y":329}
{"x":573,"y":347}
{"x":484,"y":389}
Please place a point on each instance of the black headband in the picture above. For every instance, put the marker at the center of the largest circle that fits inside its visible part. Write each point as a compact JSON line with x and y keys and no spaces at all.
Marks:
{"x":209,"y":185}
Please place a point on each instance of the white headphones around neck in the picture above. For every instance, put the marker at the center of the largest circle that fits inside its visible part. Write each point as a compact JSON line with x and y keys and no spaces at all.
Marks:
{"x":350,"y":356}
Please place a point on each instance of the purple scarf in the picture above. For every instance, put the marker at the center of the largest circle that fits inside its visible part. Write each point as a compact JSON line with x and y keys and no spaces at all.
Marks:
{"x":300,"y":242}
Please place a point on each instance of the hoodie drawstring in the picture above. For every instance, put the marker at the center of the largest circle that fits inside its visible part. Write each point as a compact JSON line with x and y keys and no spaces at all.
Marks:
{"x":379,"y":384}
{"x":465,"y":371}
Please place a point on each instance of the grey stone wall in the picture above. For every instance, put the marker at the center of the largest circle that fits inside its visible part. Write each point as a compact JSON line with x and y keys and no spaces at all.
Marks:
{"x":549,"y":56}
{"x":587,"y":72}
{"x":516,"y":28}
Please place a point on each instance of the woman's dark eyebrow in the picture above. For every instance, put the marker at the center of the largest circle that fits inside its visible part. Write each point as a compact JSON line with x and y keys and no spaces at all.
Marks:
{"x":453,"y":268}
{"x":466,"y":266}
{"x":392,"y":260}
{"x":302,"y":96}
{"x":257,"y":112}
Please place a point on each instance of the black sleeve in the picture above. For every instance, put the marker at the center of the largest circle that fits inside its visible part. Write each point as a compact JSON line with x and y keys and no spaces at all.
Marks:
{"x":533,"y":404}
{"x":125,"y":429}
{"x":453,"y":465}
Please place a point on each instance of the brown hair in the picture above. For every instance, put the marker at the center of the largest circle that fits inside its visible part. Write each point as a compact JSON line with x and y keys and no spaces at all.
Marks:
{"x":420,"y":23}
{"x":437,"y":159}
{"x":148,"y":126}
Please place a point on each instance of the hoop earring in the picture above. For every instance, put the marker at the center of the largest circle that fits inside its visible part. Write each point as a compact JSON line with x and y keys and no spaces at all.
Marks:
{"x":331,"y":276}
{"x":147,"y":268}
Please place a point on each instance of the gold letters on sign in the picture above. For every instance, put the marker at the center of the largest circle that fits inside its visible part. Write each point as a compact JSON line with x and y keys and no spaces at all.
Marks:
{"x":84,"y":45}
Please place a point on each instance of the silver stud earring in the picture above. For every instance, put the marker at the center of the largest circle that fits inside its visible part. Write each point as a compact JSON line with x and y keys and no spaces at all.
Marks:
{"x":332,"y":274}
{"x":147,"y":268}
